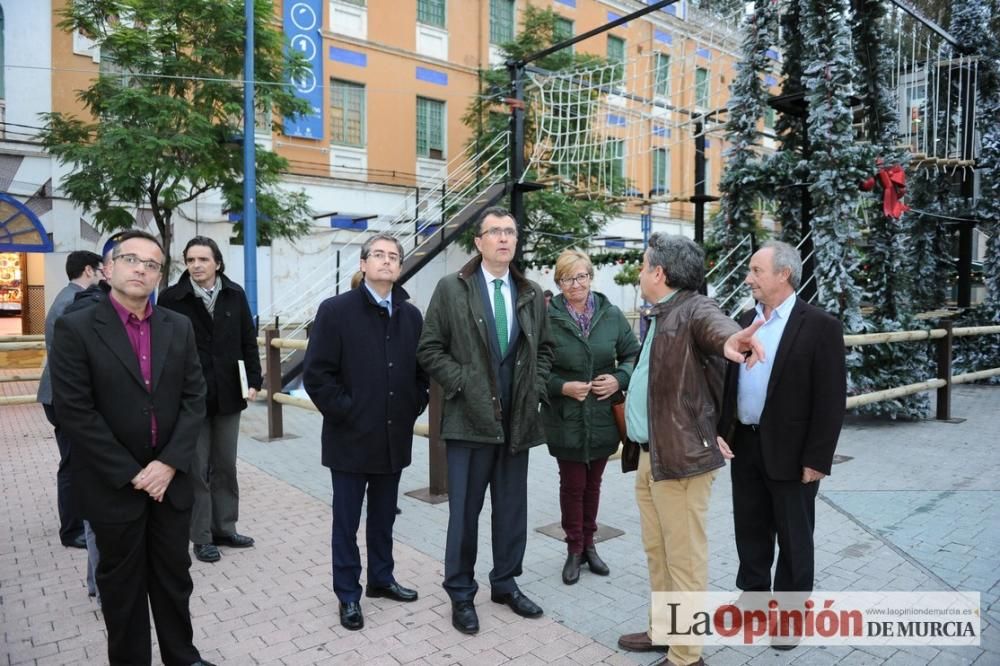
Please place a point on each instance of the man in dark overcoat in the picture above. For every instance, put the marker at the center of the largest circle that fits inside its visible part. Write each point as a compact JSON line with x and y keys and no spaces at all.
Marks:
{"x":361,"y":372}
{"x":486,"y":342}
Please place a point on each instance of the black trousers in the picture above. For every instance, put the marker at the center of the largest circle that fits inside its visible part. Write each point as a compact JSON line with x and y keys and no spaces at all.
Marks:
{"x":765,"y":510}
{"x":348,"y":494}
{"x":70,"y":524}
{"x":145,"y":564}
{"x":471,"y":469}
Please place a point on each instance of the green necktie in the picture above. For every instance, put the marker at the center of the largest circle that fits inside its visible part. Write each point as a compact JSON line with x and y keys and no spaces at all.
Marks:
{"x":500,"y":315}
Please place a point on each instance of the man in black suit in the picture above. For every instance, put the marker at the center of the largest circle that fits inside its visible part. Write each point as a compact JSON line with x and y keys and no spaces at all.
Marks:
{"x":361,"y":372}
{"x":129,"y":391}
{"x":783,"y":417}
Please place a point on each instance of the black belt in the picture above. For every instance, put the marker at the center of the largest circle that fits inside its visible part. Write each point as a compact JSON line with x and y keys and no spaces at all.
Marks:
{"x":752,"y":427}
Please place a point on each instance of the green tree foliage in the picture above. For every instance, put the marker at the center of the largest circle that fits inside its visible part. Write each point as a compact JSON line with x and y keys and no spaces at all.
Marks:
{"x":970,"y":21}
{"x":836,"y":163}
{"x":161,"y":131}
{"x":744,"y":181}
{"x":887,"y":276}
{"x":556,"y":218}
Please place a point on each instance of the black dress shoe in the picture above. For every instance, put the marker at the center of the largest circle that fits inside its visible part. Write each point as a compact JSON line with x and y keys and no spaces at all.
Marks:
{"x":76,"y":542}
{"x":595,"y":562}
{"x":206,"y":552}
{"x":395,"y":592}
{"x":464,"y":618}
{"x":202,"y":663}
{"x":233,"y":541}
{"x":350,"y":616}
{"x":571,"y":570}
{"x":518,"y":603}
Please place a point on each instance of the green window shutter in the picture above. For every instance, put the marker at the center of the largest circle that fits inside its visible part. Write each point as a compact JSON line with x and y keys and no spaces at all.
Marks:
{"x":563,"y":30}
{"x":431,"y":12}
{"x":661,"y":75}
{"x":347,"y":113}
{"x":618,"y":158}
{"x":501,"y":21}
{"x":616,"y":49}
{"x":701,"y":91}
{"x":430,"y":128}
{"x":661,"y":171}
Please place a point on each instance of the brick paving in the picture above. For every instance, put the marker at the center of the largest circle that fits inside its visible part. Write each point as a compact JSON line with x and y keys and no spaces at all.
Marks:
{"x":917,"y":507}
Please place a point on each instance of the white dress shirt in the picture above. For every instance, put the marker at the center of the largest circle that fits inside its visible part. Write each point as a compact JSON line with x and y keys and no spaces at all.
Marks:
{"x":752,"y":388}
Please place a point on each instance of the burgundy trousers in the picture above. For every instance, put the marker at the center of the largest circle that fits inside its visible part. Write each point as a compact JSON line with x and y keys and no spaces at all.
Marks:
{"x":579,"y":497}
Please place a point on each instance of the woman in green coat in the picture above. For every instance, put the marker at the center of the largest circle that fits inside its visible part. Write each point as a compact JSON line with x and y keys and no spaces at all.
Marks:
{"x":595,"y":351}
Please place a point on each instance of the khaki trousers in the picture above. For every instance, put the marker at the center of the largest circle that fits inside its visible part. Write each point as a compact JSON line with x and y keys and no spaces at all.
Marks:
{"x":673,"y":515}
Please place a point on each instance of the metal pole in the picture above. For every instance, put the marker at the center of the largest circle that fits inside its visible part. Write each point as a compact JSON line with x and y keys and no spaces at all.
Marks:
{"x":516,"y":72}
{"x":249,"y":167}
{"x":699,"y":183}
{"x":968,"y":96}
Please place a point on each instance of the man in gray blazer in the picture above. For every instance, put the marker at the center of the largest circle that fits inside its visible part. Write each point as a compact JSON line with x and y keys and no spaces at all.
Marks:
{"x":83,"y":270}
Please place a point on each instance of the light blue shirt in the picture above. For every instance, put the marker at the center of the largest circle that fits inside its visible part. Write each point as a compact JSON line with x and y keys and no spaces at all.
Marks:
{"x":752,"y":388}
{"x":384,"y":302}
{"x":505,"y":290}
{"x":637,"y":397}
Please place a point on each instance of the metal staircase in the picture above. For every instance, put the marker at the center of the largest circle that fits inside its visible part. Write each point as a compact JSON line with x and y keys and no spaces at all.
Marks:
{"x":425,"y":223}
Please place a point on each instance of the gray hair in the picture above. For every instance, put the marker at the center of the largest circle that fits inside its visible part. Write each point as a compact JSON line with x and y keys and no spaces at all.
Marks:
{"x":367,"y":247}
{"x":681,"y":259}
{"x":785,"y":256}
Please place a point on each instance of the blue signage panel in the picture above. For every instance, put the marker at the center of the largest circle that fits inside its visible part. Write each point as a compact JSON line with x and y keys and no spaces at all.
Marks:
{"x":303,"y":22}
{"x":432,"y":76}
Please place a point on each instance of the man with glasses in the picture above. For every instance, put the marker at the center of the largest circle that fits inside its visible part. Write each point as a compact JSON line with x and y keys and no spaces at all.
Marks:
{"x":486,"y":342}
{"x":128,"y":389}
{"x":361,"y":372}
{"x":83,"y":270}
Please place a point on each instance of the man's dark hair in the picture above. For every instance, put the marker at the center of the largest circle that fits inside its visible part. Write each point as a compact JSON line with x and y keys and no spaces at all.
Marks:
{"x":77,"y":262}
{"x":681,"y":259}
{"x":135,"y":233}
{"x":211,"y":245}
{"x":366,"y":247}
{"x":496,"y":211}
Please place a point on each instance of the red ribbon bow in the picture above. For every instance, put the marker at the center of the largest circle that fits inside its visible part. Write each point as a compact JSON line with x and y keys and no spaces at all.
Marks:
{"x":893,"y":182}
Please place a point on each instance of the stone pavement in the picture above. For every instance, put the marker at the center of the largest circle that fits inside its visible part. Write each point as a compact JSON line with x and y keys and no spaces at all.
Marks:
{"x":916,"y":507}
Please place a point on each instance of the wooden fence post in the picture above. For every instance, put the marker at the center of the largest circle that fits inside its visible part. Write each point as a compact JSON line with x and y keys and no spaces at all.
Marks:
{"x":944,"y":348}
{"x":437,"y":455}
{"x":275,"y":423}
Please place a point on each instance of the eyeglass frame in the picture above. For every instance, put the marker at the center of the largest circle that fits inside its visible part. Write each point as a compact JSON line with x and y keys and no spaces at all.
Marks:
{"x":134,"y":261}
{"x":580,"y":279}
{"x":379,"y":255}
{"x":497,"y":232}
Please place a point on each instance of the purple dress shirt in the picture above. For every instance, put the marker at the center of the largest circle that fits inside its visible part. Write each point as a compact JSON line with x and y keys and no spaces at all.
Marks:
{"x":138,"y":331}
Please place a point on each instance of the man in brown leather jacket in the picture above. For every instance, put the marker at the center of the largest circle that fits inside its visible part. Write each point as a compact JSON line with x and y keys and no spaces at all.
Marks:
{"x":672,"y":412}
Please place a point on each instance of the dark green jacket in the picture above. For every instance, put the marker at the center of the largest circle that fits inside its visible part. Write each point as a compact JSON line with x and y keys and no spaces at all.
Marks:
{"x":585,"y":431}
{"x":455,"y":351}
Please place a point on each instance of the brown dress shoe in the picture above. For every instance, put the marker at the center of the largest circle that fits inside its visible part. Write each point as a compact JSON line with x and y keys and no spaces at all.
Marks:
{"x":639,"y":642}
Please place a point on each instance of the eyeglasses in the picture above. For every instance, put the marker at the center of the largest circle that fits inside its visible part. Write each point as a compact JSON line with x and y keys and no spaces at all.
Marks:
{"x":580,"y":279}
{"x":134,"y":262}
{"x":379,"y":255}
{"x":497,"y":232}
